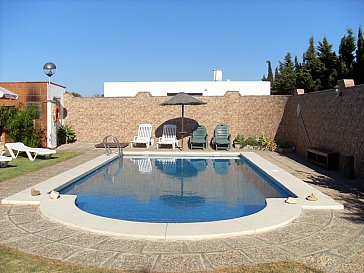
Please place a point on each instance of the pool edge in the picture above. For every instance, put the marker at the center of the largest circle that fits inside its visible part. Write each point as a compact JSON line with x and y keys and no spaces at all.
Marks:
{"x":64,"y":210}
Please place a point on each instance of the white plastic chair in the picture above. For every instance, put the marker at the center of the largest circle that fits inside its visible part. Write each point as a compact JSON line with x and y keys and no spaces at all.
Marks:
{"x":4,"y":160}
{"x":144,"y":136}
{"x":169,"y":136}
{"x":145,"y":165}
{"x":20,"y":147}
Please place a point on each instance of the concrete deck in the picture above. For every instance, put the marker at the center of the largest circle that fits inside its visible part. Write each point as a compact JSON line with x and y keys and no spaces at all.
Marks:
{"x":332,"y":240}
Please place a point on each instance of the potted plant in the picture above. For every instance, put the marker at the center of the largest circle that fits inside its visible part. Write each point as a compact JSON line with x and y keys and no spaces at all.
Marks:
{"x":66,"y":134}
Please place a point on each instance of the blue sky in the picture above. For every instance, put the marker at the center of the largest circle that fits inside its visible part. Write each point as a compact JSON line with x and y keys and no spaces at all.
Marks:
{"x":93,"y":41}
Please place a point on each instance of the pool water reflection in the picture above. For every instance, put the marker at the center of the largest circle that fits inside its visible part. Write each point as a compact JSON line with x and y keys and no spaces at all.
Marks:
{"x":174,"y":190}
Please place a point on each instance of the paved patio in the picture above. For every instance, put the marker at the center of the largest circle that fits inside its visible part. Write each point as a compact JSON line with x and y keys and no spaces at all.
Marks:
{"x":329,"y":240}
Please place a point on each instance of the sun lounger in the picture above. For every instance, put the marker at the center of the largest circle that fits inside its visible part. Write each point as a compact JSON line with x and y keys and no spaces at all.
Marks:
{"x":4,"y":160}
{"x":221,"y":137}
{"x":198,"y":138}
{"x":31,"y":152}
{"x":144,"y":136}
{"x":169,"y":136}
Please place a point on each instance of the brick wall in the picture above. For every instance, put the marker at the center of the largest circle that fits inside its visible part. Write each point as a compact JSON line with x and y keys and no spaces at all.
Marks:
{"x":29,"y":93}
{"x":94,"y":118}
{"x":331,"y":121}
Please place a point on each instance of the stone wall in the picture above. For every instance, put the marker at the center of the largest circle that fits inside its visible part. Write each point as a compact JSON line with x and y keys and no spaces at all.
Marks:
{"x":326,"y":120}
{"x":94,"y":118}
{"x":329,"y":121}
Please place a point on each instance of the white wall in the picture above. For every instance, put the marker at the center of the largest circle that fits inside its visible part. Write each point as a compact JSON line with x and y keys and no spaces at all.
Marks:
{"x":207,"y":88}
{"x":54,"y":91}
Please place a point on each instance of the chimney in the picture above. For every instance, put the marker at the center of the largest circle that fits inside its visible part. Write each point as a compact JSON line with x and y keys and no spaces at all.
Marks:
{"x":345,"y":83}
{"x":217,"y":75}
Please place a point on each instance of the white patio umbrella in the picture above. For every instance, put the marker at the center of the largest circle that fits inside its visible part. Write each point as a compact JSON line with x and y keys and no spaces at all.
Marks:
{"x":6,"y":94}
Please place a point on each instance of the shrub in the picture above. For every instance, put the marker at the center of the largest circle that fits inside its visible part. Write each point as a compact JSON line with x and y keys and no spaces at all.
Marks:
{"x":262,"y":141}
{"x":21,"y":126}
{"x":66,"y":134}
{"x":240,"y":141}
{"x":266,"y":142}
{"x":252,"y":141}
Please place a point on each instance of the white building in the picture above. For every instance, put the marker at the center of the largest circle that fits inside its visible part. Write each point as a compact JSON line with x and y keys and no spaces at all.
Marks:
{"x":217,"y":87}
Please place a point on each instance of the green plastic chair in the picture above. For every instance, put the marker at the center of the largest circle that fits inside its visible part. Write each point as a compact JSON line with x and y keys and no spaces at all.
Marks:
{"x":221,"y":137}
{"x":198,"y":138}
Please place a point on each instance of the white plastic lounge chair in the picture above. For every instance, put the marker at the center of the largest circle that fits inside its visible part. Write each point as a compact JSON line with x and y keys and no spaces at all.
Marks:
{"x":4,"y":160}
{"x":167,"y":165}
{"x":144,"y":136}
{"x":169,"y":136}
{"x":145,"y":165}
{"x":31,"y":152}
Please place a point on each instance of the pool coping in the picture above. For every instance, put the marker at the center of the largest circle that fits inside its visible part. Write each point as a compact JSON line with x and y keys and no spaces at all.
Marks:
{"x":277,"y":213}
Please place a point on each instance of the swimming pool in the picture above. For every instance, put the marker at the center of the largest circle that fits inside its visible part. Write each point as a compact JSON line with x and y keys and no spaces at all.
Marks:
{"x":276,"y":213}
{"x":175,"y":190}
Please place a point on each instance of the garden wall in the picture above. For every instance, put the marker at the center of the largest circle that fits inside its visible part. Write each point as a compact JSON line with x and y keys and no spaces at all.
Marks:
{"x":94,"y":118}
{"x":329,"y":121}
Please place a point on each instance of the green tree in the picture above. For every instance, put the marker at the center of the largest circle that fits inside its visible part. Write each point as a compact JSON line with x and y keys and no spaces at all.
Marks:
{"x":329,"y":64}
{"x":359,"y":57}
{"x":303,"y":76}
{"x":270,"y":73}
{"x":313,"y":66}
{"x":346,"y":55}
{"x":270,"y":77}
{"x":285,"y":80}
{"x":75,"y":94}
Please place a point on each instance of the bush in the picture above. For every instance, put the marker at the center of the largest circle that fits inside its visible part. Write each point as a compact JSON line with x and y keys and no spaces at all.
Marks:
{"x":66,"y":134}
{"x":263,"y":142}
{"x":266,"y":142}
{"x":252,"y":141}
{"x":239,"y":141}
{"x":21,"y":126}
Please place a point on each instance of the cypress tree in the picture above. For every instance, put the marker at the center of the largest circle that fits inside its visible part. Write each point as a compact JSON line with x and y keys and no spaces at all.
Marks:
{"x":359,"y":65}
{"x":285,"y":80}
{"x":312,"y":65}
{"x":270,"y":73}
{"x":329,"y":64}
{"x":346,"y":55}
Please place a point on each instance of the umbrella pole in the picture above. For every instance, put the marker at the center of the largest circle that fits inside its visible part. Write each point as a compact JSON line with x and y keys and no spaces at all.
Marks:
{"x":182,"y":131}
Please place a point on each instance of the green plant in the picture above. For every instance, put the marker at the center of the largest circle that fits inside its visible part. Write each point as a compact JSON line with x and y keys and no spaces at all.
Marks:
{"x":252,"y":141}
{"x":240,"y":141}
{"x":6,"y":113}
{"x":266,"y":142}
{"x":21,"y":125}
{"x":66,"y":134}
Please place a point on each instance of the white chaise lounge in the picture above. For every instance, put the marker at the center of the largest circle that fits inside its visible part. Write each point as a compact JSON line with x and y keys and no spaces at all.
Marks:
{"x":169,"y":136}
{"x":4,"y":160}
{"x":31,"y":152}
{"x":144,"y":136}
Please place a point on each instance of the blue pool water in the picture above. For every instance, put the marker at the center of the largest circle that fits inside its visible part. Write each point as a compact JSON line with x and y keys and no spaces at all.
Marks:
{"x":174,"y":190}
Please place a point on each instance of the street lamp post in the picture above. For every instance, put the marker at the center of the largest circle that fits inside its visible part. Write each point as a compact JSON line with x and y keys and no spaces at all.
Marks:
{"x":50,"y":69}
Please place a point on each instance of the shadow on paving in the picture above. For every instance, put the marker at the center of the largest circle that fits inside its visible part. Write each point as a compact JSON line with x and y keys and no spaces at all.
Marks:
{"x":351,"y":190}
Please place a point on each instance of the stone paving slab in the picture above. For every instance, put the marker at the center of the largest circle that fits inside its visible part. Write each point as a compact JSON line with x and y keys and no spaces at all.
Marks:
{"x":327,"y":239}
